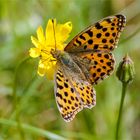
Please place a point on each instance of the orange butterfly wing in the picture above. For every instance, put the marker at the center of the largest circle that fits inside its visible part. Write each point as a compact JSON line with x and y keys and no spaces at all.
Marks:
{"x":96,"y":43}
{"x":72,"y":93}
{"x":92,"y":61}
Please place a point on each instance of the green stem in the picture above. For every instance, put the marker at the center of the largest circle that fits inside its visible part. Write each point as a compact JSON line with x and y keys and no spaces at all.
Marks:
{"x":22,"y":101}
{"x":15,"y":101}
{"x":124,"y":87}
{"x":15,"y":82}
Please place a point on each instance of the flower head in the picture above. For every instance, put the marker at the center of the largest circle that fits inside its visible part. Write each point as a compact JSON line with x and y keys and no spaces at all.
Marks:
{"x":54,"y":37}
{"x":125,"y":71}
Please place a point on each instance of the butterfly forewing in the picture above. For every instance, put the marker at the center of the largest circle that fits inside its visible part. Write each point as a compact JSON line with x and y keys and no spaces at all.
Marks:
{"x":102,"y":35}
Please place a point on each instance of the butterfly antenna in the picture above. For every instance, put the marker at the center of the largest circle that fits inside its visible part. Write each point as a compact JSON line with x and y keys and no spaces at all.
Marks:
{"x":54,"y":34}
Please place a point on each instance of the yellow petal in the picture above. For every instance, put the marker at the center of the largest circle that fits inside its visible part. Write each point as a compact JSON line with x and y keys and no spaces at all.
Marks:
{"x":40,"y":35}
{"x":50,"y":32}
{"x":41,"y":69}
{"x":61,"y":46}
{"x":50,"y":73}
{"x":34,"y":52}
{"x":63,"y":31}
{"x":46,"y":68}
{"x":35,"y":42}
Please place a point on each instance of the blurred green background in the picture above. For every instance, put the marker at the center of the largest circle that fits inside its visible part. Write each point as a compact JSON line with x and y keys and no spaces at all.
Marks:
{"x":28,"y":109}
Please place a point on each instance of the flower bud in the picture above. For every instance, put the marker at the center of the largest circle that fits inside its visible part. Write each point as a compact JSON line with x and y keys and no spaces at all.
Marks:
{"x":125,"y":71}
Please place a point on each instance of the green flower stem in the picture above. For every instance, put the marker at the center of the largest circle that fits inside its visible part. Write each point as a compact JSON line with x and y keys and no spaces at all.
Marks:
{"x":15,"y":101}
{"x":15,"y":82}
{"x":23,"y":101}
{"x":124,"y":87}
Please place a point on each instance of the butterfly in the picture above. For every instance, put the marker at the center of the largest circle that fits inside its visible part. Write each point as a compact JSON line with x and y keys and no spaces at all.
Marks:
{"x":86,"y":60}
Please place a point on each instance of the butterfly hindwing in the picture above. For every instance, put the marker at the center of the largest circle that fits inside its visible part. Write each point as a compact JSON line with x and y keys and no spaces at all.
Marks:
{"x":95,"y":66}
{"x":72,"y":94}
{"x":101,"y":66}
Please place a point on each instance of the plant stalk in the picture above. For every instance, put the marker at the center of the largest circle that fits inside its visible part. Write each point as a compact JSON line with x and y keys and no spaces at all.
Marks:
{"x":124,"y":87}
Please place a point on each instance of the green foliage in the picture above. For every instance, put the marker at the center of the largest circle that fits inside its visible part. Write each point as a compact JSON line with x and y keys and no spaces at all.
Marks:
{"x":28,"y":109}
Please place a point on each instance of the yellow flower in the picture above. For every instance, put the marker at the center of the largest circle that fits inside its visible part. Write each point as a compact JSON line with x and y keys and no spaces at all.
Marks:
{"x":54,"y":37}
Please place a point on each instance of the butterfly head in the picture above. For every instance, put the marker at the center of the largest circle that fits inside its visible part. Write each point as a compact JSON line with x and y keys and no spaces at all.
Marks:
{"x":55,"y":53}
{"x":61,"y":56}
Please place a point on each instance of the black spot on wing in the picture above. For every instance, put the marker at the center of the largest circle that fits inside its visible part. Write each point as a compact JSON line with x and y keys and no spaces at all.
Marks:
{"x":82,"y":37}
{"x":98,"y":26}
{"x":78,"y":42}
{"x":90,"y":33}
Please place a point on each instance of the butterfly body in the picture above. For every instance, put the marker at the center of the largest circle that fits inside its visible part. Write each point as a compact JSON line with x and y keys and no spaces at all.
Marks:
{"x":70,"y":62}
{"x":85,"y":61}
{"x":63,"y":57}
